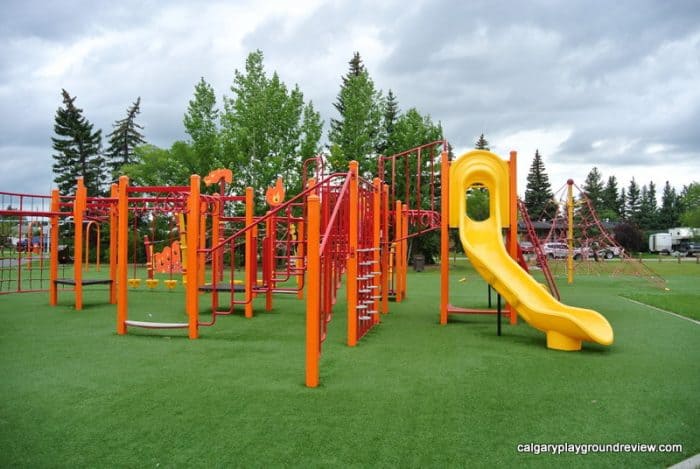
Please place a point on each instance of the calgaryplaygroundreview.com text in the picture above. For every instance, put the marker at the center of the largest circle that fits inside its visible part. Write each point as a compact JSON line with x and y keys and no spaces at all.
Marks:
{"x":586,"y":448}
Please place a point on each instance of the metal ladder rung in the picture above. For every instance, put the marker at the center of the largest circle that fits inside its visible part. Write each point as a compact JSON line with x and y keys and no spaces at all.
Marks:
{"x":364,"y":318}
{"x":373,"y":287}
{"x":364,"y":290}
{"x":376,"y":297}
{"x":369,"y":262}
{"x":362,"y":307}
{"x":367,"y":249}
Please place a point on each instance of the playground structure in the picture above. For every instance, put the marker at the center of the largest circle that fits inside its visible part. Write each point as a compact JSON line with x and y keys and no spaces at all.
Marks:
{"x":589,"y":242}
{"x":340,"y":225}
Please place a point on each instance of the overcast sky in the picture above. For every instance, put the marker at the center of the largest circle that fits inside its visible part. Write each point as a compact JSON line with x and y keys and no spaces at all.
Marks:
{"x":613,"y":84}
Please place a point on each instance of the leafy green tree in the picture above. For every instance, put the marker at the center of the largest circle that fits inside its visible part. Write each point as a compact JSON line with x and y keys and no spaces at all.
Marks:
{"x":162,"y":167}
{"x":669,"y":212}
{"x":356,"y":135}
{"x":633,"y":203}
{"x":593,"y":187}
{"x":201,"y":124}
{"x":691,"y":205}
{"x":482,"y":143}
{"x":265,"y":127}
{"x":311,"y":130}
{"x":538,"y":191}
{"x":124,"y":138}
{"x":78,"y":150}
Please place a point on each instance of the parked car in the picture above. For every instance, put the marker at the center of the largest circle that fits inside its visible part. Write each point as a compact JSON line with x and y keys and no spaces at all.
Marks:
{"x":610,"y":252}
{"x":559,"y":251}
{"x":526,"y":247}
{"x":689,"y":248}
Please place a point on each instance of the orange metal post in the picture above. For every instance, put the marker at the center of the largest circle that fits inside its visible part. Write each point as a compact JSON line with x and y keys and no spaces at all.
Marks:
{"x":122,"y":254}
{"x":53,"y":265}
{"x":216,"y":258}
{"x":249,"y":254}
{"x":201,"y":259}
{"x":398,"y":255}
{"x":352,"y":256}
{"x":386,"y":251}
{"x":193,"y":273}
{"x":513,"y":218}
{"x":376,"y":220}
{"x":313,"y":276}
{"x":79,"y":206}
{"x":404,"y":250}
{"x":444,"y":236}
{"x":113,"y":220}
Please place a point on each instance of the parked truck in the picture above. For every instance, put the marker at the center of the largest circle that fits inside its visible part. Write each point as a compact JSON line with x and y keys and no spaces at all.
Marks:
{"x":675,"y":240}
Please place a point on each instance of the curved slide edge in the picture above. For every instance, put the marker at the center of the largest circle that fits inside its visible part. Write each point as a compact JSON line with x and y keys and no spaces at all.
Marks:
{"x":566,"y":327}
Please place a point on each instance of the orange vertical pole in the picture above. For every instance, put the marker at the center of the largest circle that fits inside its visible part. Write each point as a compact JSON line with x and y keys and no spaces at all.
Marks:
{"x":249,"y":254}
{"x":444,"y":236}
{"x":404,"y":250}
{"x":122,"y":254}
{"x":398,"y":231}
{"x":216,"y":259}
{"x":376,"y":227}
{"x":201,"y":259}
{"x":387,"y":248}
{"x":313,"y":279}
{"x":193,"y":234}
{"x":53,"y":263}
{"x":352,"y":255}
{"x":513,"y":218}
{"x":114,"y":193}
{"x":79,"y":206}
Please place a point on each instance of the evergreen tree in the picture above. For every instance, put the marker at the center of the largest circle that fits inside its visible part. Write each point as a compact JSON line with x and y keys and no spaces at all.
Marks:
{"x":669,"y":212}
{"x":648,"y":216}
{"x":622,"y":204}
{"x":201,"y":124}
{"x":391,"y":113}
{"x":482,"y":143}
{"x":633,"y":203}
{"x":78,"y":150}
{"x":610,"y":195}
{"x":538,"y":192}
{"x":265,"y":127}
{"x":356,"y":135}
{"x":593,"y":187}
{"x":123,"y":139}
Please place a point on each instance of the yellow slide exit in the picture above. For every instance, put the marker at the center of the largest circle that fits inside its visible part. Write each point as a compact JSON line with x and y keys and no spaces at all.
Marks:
{"x":565,"y":326}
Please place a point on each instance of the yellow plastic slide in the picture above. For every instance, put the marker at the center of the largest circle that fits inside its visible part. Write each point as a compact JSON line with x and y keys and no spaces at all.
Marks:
{"x":565,"y":326}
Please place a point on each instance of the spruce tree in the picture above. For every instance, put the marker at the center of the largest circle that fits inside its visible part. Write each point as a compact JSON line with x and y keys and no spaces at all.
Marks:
{"x":78,"y":150}
{"x":125,"y":137}
{"x":610,"y":196}
{"x":669,"y":213}
{"x":633,"y":202}
{"x":648,"y":216}
{"x":538,"y":192}
{"x":482,"y":143}
{"x":593,"y":187}
{"x":356,"y":135}
{"x":391,"y":114}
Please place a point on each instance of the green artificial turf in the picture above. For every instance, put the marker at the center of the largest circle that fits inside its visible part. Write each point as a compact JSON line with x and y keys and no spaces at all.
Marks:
{"x":411,"y":394}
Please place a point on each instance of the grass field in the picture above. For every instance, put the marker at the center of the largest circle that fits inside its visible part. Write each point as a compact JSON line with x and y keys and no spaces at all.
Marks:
{"x":411,"y":394}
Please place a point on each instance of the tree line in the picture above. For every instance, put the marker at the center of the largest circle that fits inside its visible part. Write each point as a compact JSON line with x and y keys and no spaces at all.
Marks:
{"x":265,"y":129}
{"x":634,"y":204}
